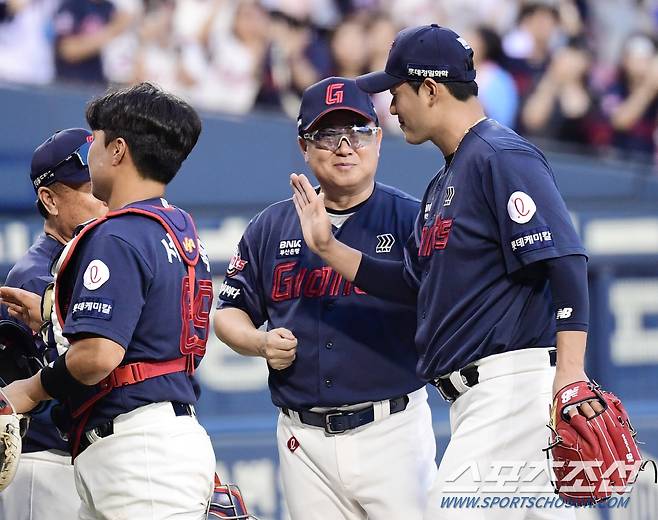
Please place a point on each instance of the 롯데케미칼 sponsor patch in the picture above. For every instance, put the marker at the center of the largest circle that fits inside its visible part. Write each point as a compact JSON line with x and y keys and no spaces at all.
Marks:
{"x":531,"y":240}
{"x":92,"y":307}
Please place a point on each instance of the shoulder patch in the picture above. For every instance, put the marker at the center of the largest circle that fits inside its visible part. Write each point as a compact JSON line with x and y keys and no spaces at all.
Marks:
{"x":96,"y":274}
{"x":520,"y":207}
{"x":92,"y":307}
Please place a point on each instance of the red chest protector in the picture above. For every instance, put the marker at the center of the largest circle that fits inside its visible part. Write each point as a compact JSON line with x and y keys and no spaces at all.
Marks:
{"x":179,"y":226}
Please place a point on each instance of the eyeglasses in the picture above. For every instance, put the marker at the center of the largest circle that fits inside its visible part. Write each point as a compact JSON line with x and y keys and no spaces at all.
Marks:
{"x":331,"y":138}
{"x":82,"y":156}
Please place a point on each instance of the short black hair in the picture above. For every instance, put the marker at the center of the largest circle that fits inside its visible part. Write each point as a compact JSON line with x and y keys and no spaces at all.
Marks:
{"x":461,"y":90}
{"x":161,"y":129}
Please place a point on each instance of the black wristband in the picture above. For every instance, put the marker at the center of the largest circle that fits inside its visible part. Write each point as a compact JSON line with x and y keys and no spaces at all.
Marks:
{"x":58,"y":382}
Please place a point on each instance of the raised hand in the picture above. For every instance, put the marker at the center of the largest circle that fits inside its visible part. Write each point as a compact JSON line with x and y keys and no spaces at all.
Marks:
{"x":313,"y":217}
{"x":23,"y":305}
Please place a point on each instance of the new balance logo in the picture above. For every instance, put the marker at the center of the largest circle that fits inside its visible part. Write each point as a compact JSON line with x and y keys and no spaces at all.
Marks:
{"x":563,"y":313}
{"x":385,"y":243}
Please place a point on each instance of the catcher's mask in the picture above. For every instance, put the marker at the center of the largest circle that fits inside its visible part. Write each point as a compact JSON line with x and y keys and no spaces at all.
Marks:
{"x":227,"y":503}
{"x":19,"y":356}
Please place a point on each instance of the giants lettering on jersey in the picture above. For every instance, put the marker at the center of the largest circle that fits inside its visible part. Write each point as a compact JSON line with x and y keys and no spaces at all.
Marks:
{"x":289,"y":283}
{"x":435,"y":236}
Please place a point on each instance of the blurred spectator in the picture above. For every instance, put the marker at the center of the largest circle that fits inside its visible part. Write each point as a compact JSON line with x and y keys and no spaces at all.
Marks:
{"x":299,"y":56}
{"x":157,"y":58}
{"x":118,"y":56}
{"x":562,"y":106}
{"x":631,"y":103}
{"x":497,"y":90}
{"x":237,"y":52}
{"x":82,"y":29}
{"x":381,"y":31}
{"x":26,"y":54}
{"x":349,"y":48}
{"x":529,"y":45}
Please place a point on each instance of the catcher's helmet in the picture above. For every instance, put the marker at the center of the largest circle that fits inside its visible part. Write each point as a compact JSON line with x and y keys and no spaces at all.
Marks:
{"x":19,"y":356}
{"x":227,"y":503}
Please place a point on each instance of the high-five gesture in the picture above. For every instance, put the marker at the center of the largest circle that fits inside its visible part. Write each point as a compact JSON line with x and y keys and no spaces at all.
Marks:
{"x":313,"y":216}
{"x":316,"y":228}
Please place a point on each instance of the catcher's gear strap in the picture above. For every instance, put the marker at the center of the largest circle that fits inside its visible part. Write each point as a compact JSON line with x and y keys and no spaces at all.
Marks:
{"x":174,"y":221}
{"x":10,"y":442}
{"x":57,"y":380}
{"x":568,"y":280}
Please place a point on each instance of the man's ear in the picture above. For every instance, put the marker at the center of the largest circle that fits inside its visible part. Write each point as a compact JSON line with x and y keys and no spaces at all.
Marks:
{"x":119,"y":150}
{"x":303,"y":146}
{"x":48,"y":199}
{"x":432,"y":89}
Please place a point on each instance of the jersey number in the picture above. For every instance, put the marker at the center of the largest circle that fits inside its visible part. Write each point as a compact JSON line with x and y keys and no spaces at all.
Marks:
{"x":196,"y":317}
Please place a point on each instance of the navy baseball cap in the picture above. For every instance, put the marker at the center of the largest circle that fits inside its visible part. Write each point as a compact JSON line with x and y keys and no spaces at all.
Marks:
{"x":427,"y":51}
{"x":62,"y":158}
{"x":331,"y":94}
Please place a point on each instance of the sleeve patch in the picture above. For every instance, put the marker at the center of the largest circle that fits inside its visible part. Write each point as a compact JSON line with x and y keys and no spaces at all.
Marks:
{"x":91,"y":307}
{"x":531,"y":240}
{"x":520,"y":207}
{"x":229,"y":292}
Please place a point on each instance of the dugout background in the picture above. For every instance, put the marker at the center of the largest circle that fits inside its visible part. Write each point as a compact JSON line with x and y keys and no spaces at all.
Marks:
{"x":242,"y":164}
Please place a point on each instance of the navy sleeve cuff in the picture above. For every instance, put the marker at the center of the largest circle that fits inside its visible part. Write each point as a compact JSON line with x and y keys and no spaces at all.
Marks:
{"x":384,"y":279}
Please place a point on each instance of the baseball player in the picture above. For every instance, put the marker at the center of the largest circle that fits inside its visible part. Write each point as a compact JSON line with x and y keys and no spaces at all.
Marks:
{"x":60,"y":178}
{"x":496,"y":267}
{"x":354,"y":433}
{"x":132,"y":297}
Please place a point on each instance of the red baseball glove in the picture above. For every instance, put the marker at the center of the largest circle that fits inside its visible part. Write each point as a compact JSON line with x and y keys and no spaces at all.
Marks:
{"x":592,"y":458}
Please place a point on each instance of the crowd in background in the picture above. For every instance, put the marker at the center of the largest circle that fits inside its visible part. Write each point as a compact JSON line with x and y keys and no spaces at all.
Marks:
{"x":580,"y":72}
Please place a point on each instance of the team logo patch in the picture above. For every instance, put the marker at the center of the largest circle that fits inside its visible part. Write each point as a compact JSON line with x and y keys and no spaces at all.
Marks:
{"x":520,"y":207}
{"x":92,"y":307}
{"x":236,"y":264}
{"x":188,"y":244}
{"x":532,"y":239}
{"x":96,"y":275}
{"x":289,"y":248}
{"x":384,"y":243}
{"x":292,"y":444}
{"x":450,"y":193}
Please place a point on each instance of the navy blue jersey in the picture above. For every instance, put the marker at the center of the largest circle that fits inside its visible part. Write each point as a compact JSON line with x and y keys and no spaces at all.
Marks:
{"x":128,"y":288}
{"x":352,"y":347}
{"x":32,"y":273}
{"x":484,"y":223}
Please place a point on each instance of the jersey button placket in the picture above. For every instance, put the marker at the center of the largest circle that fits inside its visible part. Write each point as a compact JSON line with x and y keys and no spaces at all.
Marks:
{"x":328,"y":383}
{"x":329,"y":345}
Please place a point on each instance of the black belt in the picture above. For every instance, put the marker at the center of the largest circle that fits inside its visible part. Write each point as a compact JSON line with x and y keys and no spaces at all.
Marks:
{"x":340,"y":421}
{"x":106,"y":429}
{"x":470,"y":377}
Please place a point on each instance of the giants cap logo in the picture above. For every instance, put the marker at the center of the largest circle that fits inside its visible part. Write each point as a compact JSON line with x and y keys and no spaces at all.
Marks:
{"x":334,"y":94}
